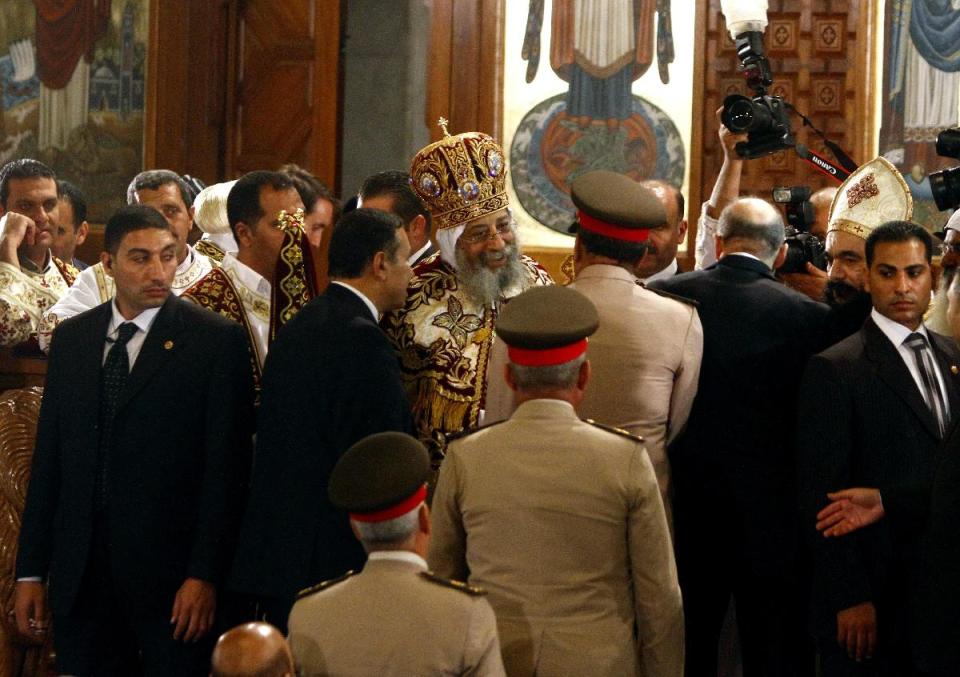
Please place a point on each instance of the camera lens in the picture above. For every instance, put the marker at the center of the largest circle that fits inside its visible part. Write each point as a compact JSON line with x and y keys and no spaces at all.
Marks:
{"x":741,"y":114}
{"x":948,"y":143}
{"x":945,"y":186}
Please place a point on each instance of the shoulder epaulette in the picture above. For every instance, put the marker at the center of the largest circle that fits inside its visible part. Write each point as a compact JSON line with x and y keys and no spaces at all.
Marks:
{"x":611,"y":429}
{"x":471,"y":590}
{"x":470,"y":431}
{"x":668,"y":295}
{"x":325,"y":585}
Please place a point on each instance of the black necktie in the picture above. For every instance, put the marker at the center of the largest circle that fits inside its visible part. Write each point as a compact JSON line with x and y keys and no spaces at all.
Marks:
{"x":928,"y":376}
{"x":113,"y":376}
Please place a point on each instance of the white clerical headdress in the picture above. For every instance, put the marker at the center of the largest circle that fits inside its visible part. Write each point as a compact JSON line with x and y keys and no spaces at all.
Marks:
{"x":873,"y":195}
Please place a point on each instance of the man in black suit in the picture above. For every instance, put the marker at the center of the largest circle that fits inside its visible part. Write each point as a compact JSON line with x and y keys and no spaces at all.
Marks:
{"x":875,"y":409}
{"x":936,"y":598}
{"x":660,"y":262}
{"x":391,"y":192}
{"x":733,"y":468}
{"x":138,"y":471}
{"x":331,"y":378}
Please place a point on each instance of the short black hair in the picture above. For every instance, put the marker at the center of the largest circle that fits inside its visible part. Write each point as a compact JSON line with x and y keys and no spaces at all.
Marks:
{"x":899,"y":231}
{"x":358,"y":236}
{"x":311,"y":189}
{"x":243,"y":202}
{"x":22,"y":168}
{"x":129,"y":219}
{"x":153,"y":179}
{"x":619,"y":250}
{"x":396,"y":184}
{"x":75,"y":197}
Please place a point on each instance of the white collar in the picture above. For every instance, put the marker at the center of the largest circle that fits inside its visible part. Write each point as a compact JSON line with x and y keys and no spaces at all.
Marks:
{"x":363,"y":297}
{"x":246,"y":275}
{"x":399,"y":556}
{"x":188,"y":260}
{"x":895,"y":331}
{"x":749,"y":256}
{"x":417,"y":254}
{"x":664,"y":274}
{"x":143,"y":321}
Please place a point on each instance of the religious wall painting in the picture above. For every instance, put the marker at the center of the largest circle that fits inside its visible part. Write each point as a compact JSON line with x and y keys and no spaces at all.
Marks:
{"x":921,"y":93}
{"x":599,"y":48}
{"x":72,"y":74}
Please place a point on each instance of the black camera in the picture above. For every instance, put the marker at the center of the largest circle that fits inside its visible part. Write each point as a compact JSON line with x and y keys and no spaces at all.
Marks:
{"x":802,"y":246}
{"x":764,"y":118}
{"x":945,"y":184}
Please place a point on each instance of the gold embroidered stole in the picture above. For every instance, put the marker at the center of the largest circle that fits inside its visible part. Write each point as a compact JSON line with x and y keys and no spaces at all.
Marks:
{"x":215,"y":291}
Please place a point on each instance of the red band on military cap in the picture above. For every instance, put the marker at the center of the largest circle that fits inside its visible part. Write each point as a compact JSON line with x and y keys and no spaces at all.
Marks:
{"x":548,"y":357}
{"x":401,"y":508}
{"x":599,"y":227}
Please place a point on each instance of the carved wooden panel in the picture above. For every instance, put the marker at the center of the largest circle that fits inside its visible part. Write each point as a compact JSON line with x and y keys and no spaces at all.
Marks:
{"x":819,"y":52}
{"x":284,"y":86}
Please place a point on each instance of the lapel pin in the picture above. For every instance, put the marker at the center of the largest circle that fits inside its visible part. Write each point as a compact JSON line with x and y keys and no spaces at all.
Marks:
{"x":167,"y":345}
{"x":954,"y":369}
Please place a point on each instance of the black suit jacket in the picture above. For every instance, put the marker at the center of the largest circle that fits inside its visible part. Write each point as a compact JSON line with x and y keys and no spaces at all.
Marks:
{"x":864,"y":423}
{"x":936,"y":613}
{"x":178,"y":462}
{"x":331,"y":378}
{"x":733,"y":468}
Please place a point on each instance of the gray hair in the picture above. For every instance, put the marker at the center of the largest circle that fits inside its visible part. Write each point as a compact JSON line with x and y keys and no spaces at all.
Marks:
{"x":753,"y":221}
{"x":563,"y":375}
{"x":153,"y":179}
{"x":389,"y":532}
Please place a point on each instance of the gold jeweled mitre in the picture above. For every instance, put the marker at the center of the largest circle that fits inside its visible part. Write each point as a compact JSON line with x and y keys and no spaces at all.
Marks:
{"x":460,"y":177}
{"x":872,"y":195}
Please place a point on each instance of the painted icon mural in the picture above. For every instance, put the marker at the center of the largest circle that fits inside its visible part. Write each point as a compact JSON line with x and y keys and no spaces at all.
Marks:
{"x":72,"y":74}
{"x":599,"y":115}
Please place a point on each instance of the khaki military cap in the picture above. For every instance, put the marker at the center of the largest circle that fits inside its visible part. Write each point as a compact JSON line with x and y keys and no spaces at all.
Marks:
{"x":616,"y":206}
{"x":544,"y":326}
{"x":381,"y":477}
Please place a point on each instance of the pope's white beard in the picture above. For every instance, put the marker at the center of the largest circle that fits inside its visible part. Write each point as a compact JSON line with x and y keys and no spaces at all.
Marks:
{"x":486,"y":285}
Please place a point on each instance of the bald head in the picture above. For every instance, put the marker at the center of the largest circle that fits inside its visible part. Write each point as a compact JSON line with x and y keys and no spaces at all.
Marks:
{"x":752,"y":226}
{"x":252,"y":650}
{"x":821,"y":201}
{"x":664,"y":240}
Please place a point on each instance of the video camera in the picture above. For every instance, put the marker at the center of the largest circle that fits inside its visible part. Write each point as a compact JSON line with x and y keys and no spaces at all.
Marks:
{"x":945,"y":184}
{"x":802,"y":246}
{"x":764,"y":118}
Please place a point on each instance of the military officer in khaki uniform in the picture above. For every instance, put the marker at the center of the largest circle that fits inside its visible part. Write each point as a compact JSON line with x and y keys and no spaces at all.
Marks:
{"x":394,"y":617}
{"x":645,"y":357}
{"x":559,"y":519}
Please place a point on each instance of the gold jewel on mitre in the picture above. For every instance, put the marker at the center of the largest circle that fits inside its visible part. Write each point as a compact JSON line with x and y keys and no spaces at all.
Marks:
{"x":460,"y":177}
{"x":291,"y":223}
{"x":210,"y":209}
{"x":873,"y":195}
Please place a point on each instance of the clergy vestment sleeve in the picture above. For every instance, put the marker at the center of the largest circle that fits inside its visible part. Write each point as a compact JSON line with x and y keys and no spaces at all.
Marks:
{"x":84,"y":294}
{"x":24,"y":298}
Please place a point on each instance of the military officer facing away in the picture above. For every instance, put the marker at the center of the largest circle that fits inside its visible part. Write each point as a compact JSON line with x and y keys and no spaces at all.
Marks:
{"x":560,"y":519}
{"x":394,"y":617}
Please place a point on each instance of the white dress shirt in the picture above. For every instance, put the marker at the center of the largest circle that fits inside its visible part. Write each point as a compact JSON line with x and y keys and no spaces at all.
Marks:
{"x":143,"y":321}
{"x":254,"y":291}
{"x":664,"y":274}
{"x":417,"y":254}
{"x":399,"y":556}
{"x":897,"y":334}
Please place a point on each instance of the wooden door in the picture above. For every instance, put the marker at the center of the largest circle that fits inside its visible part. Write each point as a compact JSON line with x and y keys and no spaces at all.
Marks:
{"x":284,"y":86}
